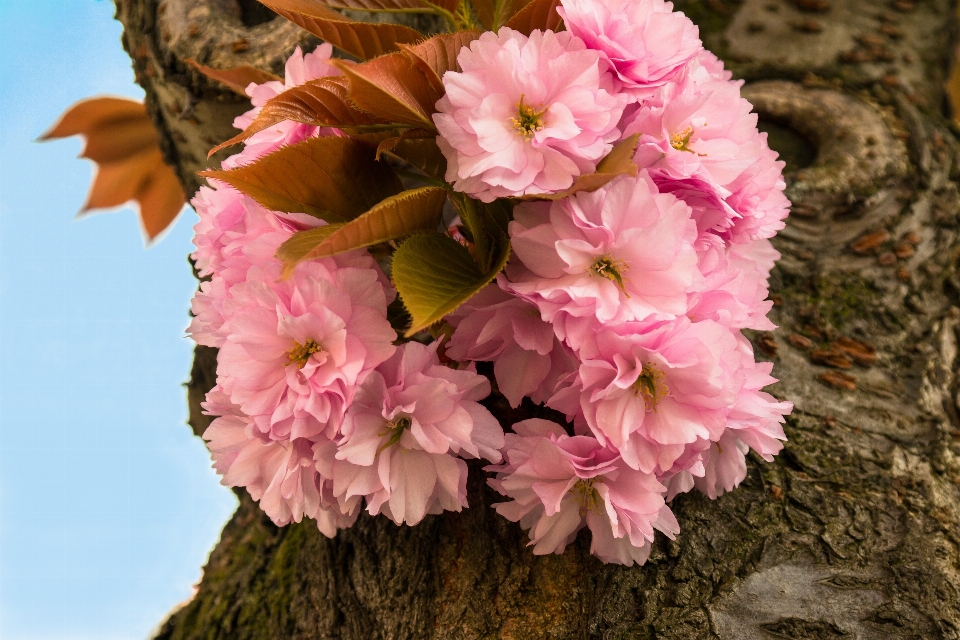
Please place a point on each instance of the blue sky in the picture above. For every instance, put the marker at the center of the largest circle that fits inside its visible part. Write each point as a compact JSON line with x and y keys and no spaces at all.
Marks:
{"x":108,"y":505}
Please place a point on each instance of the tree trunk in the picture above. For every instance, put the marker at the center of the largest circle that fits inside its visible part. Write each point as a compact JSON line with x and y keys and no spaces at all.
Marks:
{"x":854,"y":531}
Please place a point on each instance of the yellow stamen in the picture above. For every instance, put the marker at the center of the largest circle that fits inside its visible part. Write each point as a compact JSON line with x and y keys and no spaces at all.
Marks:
{"x":586,"y":496}
{"x":650,"y":384}
{"x":611,"y":269}
{"x":395,"y":430}
{"x":302,"y":352}
{"x":528,"y":120}
{"x":681,"y":141}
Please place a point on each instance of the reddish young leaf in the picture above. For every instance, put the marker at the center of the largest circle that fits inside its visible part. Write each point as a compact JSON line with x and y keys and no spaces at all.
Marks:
{"x":396,"y":6}
{"x":86,"y":114}
{"x":494,"y":13}
{"x":393,"y":89}
{"x":333,"y":178}
{"x":396,"y":217}
{"x":364,"y":40}
{"x":538,"y":14}
{"x":422,"y":153}
{"x":321,"y":103}
{"x":616,"y":163}
{"x":118,"y":139}
{"x":236,"y":79}
{"x":161,"y":199}
{"x":121,"y":139}
{"x":436,"y":56}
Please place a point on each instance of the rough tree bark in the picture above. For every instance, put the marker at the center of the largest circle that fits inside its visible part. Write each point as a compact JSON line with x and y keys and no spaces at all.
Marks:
{"x":854,"y":532}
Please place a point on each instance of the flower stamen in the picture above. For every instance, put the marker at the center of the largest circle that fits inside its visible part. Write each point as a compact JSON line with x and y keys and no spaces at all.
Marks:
{"x":395,"y":430}
{"x":650,"y":384}
{"x":681,"y":141}
{"x":611,"y":269}
{"x":300,"y":353}
{"x":528,"y":120}
{"x":586,"y":496}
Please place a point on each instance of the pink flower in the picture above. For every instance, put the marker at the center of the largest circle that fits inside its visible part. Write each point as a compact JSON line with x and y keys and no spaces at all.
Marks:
{"x":296,"y":349}
{"x":757,"y":417}
{"x":280,"y":475}
{"x":526,"y":115}
{"x":645,"y":42}
{"x":234,"y":234}
{"x":757,"y":196}
{"x":404,"y":431}
{"x":703,"y":129}
{"x":735,"y":293}
{"x":494,"y":326}
{"x":299,"y":69}
{"x":624,"y":252}
{"x":725,"y":466}
{"x":649,"y":391}
{"x":558,"y":484}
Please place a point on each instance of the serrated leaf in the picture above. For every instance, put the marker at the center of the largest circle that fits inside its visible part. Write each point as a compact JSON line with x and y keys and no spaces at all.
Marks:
{"x":333,"y":178}
{"x":617,"y":163}
{"x":620,"y":155}
{"x":537,"y":14}
{"x":393,"y":89}
{"x":390,"y":144}
{"x":436,"y":56}
{"x":364,"y":40}
{"x":237,"y":79}
{"x":434,"y":274}
{"x":296,"y":248}
{"x":396,"y":217}
{"x":395,"y":6}
{"x":487,"y":225}
{"x":320,"y":103}
{"x":121,"y":140}
{"x":87,"y":114}
{"x":422,"y":153}
{"x":494,"y":13}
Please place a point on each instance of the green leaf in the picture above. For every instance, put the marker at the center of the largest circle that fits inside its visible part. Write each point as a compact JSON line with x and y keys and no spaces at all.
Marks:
{"x":364,"y":40}
{"x":298,"y":246}
{"x":434,"y":274}
{"x":333,"y":178}
{"x":436,"y":56}
{"x":618,"y":162}
{"x":396,"y":217}
{"x":486,"y":224}
{"x":538,"y":14}
{"x":320,"y":103}
{"x":393,"y":89}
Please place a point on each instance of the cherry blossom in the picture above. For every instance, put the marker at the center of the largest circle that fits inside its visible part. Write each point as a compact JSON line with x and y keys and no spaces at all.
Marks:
{"x":559,"y":484}
{"x":526,"y":115}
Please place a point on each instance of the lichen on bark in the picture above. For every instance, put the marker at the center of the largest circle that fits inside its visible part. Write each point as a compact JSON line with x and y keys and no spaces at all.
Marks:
{"x":854,"y":530}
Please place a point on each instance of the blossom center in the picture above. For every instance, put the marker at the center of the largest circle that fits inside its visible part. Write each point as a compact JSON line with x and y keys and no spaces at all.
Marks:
{"x":395,"y":430}
{"x":609,"y":268}
{"x":586,"y":495}
{"x":300,"y":353}
{"x":681,"y":141}
{"x":528,"y":120}
{"x":651,"y":385}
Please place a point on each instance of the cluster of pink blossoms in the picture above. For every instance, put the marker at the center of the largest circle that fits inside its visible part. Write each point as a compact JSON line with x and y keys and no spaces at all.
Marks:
{"x":621,"y":308}
{"x":317,"y":408}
